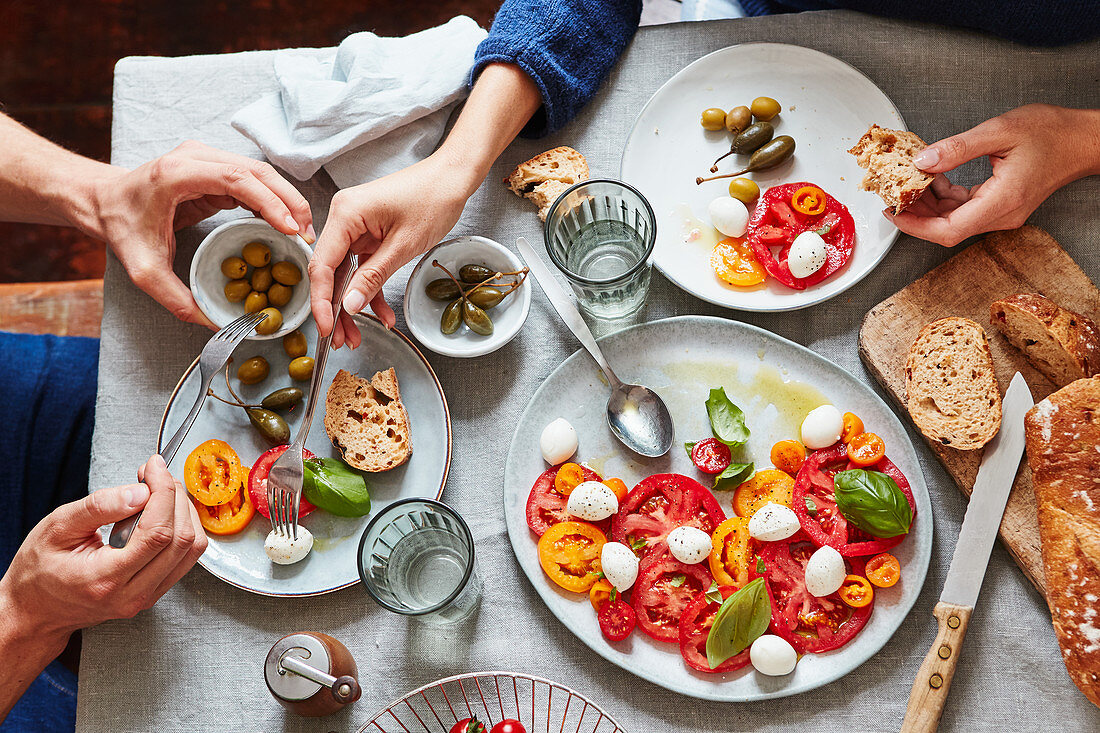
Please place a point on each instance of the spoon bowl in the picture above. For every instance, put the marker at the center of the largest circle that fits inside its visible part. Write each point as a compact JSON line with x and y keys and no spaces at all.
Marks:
{"x":640,"y":420}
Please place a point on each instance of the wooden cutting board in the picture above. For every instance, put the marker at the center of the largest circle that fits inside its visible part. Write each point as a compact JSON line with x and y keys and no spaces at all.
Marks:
{"x":1026,"y":260}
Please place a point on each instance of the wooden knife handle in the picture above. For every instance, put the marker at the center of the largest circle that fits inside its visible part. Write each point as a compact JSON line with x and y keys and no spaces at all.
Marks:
{"x":934,"y":677}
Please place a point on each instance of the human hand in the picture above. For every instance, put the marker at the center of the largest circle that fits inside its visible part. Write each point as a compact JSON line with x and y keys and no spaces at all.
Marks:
{"x":138,"y":212}
{"x":65,"y":578}
{"x":1034,"y":151}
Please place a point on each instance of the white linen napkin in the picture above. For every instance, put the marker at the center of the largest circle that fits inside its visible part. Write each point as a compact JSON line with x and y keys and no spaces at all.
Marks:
{"x":368,"y":107}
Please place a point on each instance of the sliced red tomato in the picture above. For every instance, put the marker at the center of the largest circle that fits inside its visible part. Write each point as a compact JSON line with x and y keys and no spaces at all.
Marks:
{"x":617,"y":619}
{"x":257,"y":481}
{"x":664,"y":589}
{"x":775,"y":224}
{"x":711,"y":456}
{"x":660,"y":504}
{"x":546,"y":507}
{"x":809,"y":623}
{"x":695,"y":627}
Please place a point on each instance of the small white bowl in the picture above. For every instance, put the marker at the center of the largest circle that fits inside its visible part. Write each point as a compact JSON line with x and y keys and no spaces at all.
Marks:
{"x":227,"y":240}
{"x":423,"y":314}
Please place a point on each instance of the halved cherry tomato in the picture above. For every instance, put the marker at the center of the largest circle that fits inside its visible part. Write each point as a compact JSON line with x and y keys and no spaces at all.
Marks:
{"x":618,"y":486}
{"x":711,"y":456}
{"x":856,"y":591}
{"x":734,"y":262}
{"x":765,"y":487}
{"x":853,"y":426}
{"x":569,"y":553}
{"x":660,"y":504}
{"x":884,"y":570}
{"x":865,"y":449}
{"x":468,"y":725}
{"x":695,"y":628}
{"x":546,"y":507}
{"x":732,"y":552}
{"x":809,"y":200}
{"x":228,"y":518}
{"x":569,"y":477}
{"x":788,"y":456}
{"x":257,"y":481}
{"x":509,"y":726}
{"x":599,"y":593}
{"x":664,"y":589}
{"x":213,"y":473}
{"x":617,"y":619}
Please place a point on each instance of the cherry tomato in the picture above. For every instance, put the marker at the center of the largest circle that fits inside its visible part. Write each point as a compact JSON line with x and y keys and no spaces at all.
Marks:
{"x":660,"y":504}
{"x":569,"y":477}
{"x":228,"y":518}
{"x":546,"y":507}
{"x":884,"y":570}
{"x":213,"y":473}
{"x":809,"y":200}
{"x":732,"y":552}
{"x":618,"y":486}
{"x":508,"y":726}
{"x":569,"y":553}
{"x":735,"y":263}
{"x":856,"y":591}
{"x":257,"y":482}
{"x":468,"y":725}
{"x":853,"y":426}
{"x":711,"y":456}
{"x":617,"y":619}
{"x":865,"y":449}
{"x":664,"y":589}
{"x":788,"y":456}
{"x":599,"y":593}
{"x":764,"y":488}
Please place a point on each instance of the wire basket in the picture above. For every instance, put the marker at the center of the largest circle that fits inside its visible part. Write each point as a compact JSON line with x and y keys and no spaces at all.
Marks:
{"x":541,"y":705}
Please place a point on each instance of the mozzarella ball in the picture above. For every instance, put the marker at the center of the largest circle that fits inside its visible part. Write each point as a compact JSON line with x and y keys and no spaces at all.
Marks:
{"x":807,"y":254}
{"x":773,"y":522}
{"x":824,"y":572}
{"x":773,"y":655}
{"x":689,"y":545}
{"x":558,"y":442}
{"x":822,"y":427}
{"x":729,"y":216}
{"x":286,"y":551}
{"x":593,"y":501}
{"x":619,"y":565}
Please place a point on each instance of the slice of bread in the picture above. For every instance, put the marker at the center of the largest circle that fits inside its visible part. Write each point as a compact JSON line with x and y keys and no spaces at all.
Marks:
{"x":367,"y":422}
{"x":950,"y":387}
{"x":1063,"y":345}
{"x":888,"y":157}
{"x":543,"y":178}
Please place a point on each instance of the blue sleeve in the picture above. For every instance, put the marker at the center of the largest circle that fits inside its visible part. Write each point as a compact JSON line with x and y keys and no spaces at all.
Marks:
{"x":566,"y":46}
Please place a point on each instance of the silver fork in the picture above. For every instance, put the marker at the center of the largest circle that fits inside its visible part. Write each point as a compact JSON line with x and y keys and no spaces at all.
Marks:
{"x":211,"y":361}
{"x":284,"y":480}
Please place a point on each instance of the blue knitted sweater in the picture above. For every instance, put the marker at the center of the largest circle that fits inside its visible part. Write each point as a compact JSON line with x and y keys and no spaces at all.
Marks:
{"x":569,"y":46}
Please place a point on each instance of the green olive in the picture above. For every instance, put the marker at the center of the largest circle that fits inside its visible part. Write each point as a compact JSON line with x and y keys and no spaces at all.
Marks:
{"x":253,"y":371}
{"x":237,"y":290}
{"x":256,"y":254}
{"x":234,"y":268}
{"x":261,"y":279}
{"x":476,"y":319}
{"x":286,"y":272}
{"x":279,"y":295}
{"x":268,"y":424}
{"x":713,"y":119}
{"x":737,"y":119}
{"x":255,"y":302}
{"x":294,"y":344}
{"x":744,"y":190}
{"x":772,"y":154}
{"x":443,"y":289}
{"x":475,"y":273}
{"x":272,"y":323}
{"x":301,"y":369}
{"x":283,"y":398}
{"x":765,"y":108}
{"x":487,"y":296}
{"x":452,"y":317}
{"x":752,"y":138}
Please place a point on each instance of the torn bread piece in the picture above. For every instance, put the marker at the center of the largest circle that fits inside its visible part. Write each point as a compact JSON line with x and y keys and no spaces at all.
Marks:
{"x":367,"y":422}
{"x":888,"y":155}
{"x":546,"y":176}
{"x":1063,"y":345}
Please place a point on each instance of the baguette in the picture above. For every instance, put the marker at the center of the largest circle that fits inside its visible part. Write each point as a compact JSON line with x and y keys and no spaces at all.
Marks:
{"x":888,"y":157}
{"x":367,"y":422}
{"x":1063,"y":451}
{"x":546,"y":176}
{"x":1063,"y":345}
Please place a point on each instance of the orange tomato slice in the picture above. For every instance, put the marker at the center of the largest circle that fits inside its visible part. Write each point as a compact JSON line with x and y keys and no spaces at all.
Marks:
{"x":213,"y":473}
{"x":809,"y":200}
{"x":866,"y":449}
{"x":788,"y":456}
{"x":228,"y":518}
{"x":618,"y":486}
{"x":765,"y":487}
{"x":883,"y":570}
{"x":570,"y":476}
{"x":569,"y":553}
{"x":734,"y":262}
{"x":732,"y":552}
{"x":856,"y":591}
{"x":853,"y":426}
{"x":600,"y":593}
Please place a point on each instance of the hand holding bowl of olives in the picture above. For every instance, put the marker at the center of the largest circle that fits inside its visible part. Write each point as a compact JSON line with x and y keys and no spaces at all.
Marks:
{"x":246,"y":266}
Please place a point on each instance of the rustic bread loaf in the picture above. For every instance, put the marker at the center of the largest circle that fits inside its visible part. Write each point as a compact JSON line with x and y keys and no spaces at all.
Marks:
{"x":543,"y":178}
{"x":1063,"y":345}
{"x":950,"y":386}
{"x":1063,"y":450}
{"x":888,"y":157}
{"x":367,"y":422}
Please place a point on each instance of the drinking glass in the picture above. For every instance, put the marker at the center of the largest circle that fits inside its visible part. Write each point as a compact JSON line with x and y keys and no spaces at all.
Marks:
{"x":600,"y":234}
{"x":417,"y":558}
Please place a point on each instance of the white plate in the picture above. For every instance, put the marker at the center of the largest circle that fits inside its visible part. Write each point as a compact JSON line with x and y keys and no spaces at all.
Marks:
{"x":827,"y":106}
{"x":240,"y":559}
{"x":682,"y":359}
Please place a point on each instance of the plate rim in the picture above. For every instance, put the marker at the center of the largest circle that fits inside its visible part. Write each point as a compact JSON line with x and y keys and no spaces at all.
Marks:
{"x":875,"y":647}
{"x":438,"y":495}
{"x":744,"y":308}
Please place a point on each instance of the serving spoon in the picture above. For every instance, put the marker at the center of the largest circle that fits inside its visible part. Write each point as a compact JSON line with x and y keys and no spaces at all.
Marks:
{"x":636,"y":415}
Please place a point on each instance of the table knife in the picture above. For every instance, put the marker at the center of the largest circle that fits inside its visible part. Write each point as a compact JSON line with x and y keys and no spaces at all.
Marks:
{"x":964,"y":578}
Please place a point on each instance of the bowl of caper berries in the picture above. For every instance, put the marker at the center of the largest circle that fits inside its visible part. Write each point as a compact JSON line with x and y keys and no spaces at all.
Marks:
{"x":247,"y":266}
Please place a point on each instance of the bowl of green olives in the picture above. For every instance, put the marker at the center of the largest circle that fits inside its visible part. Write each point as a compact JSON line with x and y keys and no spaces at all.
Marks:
{"x":246,"y":266}
{"x":467,"y":297}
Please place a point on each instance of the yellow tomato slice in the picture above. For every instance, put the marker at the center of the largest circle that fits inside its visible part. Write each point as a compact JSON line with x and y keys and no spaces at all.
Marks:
{"x":767,"y":486}
{"x":856,"y":591}
{"x":228,"y":518}
{"x":731,"y":552}
{"x":788,"y":456}
{"x":734,"y":262}
{"x":569,"y":477}
{"x":569,"y":553}
{"x":213,"y":473}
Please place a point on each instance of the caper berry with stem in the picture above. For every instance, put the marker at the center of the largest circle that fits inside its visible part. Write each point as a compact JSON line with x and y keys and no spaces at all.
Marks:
{"x":270,"y":425}
{"x":476,"y":319}
{"x":452,"y":317}
{"x":777,"y":152}
{"x":475,"y":273}
{"x":486,"y":296}
{"x":282,"y":399}
{"x":443,"y":289}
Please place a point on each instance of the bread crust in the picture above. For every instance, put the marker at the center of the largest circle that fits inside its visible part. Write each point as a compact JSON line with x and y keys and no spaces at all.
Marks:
{"x":1063,"y":451}
{"x":366,"y":421}
{"x":544,"y":177}
{"x":1073,"y":336}
{"x":888,"y":155}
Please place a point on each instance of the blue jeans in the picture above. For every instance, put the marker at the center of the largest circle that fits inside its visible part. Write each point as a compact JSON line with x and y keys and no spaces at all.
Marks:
{"x":47,"y":389}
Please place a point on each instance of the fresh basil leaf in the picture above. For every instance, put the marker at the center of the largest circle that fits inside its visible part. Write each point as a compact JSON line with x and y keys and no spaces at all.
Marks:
{"x":727,"y":422}
{"x":823,"y":230}
{"x":741,"y":620}
{"x":811,"y":507}
{"x":761,"y":568}
{"x":613,"y":595}
{"x":734,"y":475}
{"x":637,"y":544}
{"x":872,"y":501}
{"x":677,"y":580}
{"x":332,"y":486}
{"x":689,"y":447}
{"x":714,"y":594}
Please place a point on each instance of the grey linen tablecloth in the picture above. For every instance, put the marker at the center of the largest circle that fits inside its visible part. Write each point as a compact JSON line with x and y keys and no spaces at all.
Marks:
{"x":193,"y":663}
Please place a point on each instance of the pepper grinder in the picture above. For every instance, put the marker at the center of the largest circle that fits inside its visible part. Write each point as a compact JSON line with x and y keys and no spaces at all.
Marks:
{"x":311,"y":674}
